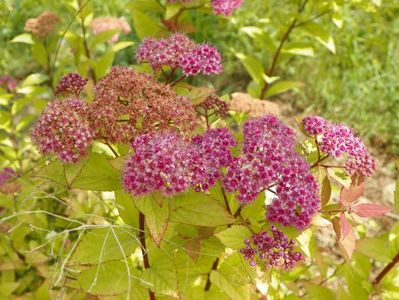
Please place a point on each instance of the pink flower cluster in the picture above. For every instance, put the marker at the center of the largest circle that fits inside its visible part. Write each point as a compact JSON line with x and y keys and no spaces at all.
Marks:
{"x":99,"y":25}
{"x":179,"y":51}
{"x":336,"y":140}
{"x":6,"y":186}
{"x":8,"y":82}
{"x":64,"y":129}
{"x":225,"y":7}
{"x":168,"y":163}
{"x":129,"y":103}
{"x":273,"y":250}
{"x":42,"y":26}
{"x":269,"y":159}
{"x":71,"y":83}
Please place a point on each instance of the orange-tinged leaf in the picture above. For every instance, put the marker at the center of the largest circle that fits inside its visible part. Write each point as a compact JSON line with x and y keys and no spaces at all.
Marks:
{"x":370,"y":210}
{"x":345,"y":236}
{"x":351,"y":194}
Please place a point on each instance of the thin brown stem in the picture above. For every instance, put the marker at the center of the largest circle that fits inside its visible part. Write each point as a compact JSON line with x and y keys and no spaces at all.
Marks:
{"x":317,"y":163}
{"x":178,"y":80}
{"x":332,"y":166}
{"x":387,"y":268}
{"x":225,"y":200}
{"x":169,"y":77}
{"x":314,"y":18}
{"x":112,"y":149}
{"x":208,"y":280}
{"x":144,"y":248}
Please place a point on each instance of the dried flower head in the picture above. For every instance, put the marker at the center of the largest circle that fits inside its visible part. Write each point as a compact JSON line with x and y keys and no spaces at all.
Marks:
{"x":71,"y":83}
{"x":253,"y":107}
{"x":7,"y":183}
{"x":8,"y":82}
{"x":225,"y":7}
{"x":338,"y":139}
{"x":212,"y":105}
{"x":273,"y":250}
{"x":129,"y":103}
{"x":42,"y":26}
{"x":179,"y":51}
{"x":269,"y":159}
{"x":63,"y":128}
{"x":99,"y":25}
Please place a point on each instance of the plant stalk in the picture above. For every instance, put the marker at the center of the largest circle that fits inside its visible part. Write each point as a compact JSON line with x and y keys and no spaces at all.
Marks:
{"x":144,"y":248}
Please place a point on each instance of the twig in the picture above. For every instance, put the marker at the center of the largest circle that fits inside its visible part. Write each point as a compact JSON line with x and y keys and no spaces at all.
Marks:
{"x":112,"y":149}
{"x":144,"y":248}
{"x":387,"y":268}
{"x":208,"y":281}
{"x":317,"y":163}
{"x":314,"y":18}
{"x":178,"y":80}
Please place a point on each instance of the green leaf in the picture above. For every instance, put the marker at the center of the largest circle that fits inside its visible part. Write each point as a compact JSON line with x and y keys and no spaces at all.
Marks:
{"x":199,"y":209}
{"x":102,"y":37}
{"x":397,"y":196}
{"x":34,"y":79}
{"x":233,"y":290}
{"x":121,"y":45}
{"x":337,"y":18}
{"x":253,"y":66}
{"x":196,"y":94}
{"x":106,"y":279}
{"x":340,"y":176}
{"x":281,"y":87}
{"x":321,"y":35}
{"x":25,"y":38}
{"x":234,"y":236}
{"x":104,"y":244}
{"x":145,"y":25}
{"x":304,"y":49}
{"x":104,"y":63}
{"x":155,"y":207}
{"x":376,"y":248}
{"x":126,"y":208}
{"x":40,"y":54}
{"x":319,"y":292}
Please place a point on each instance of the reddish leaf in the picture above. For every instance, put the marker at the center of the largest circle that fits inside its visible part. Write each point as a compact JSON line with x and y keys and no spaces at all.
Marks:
{"x":345,"y":225}
{"x":351,"y":194}
{"x":370,"y":210}
{"x":345,"y":236}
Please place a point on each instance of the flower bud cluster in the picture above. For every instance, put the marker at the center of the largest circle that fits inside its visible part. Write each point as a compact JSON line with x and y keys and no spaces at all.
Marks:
{"x":42,"y":26}
{"x":269,"y":159}
{"x":213,"y":105}
{"x":8,"y":82}
{"x":179,"y":51}
{"x":71,"y":83}
{"x":64,"y":129}
{"x":168,"y":163}
{"x":225,"y":7}
{"x":273,"y":250}
{"x":338,"y":139}
{"x":7,"y":185}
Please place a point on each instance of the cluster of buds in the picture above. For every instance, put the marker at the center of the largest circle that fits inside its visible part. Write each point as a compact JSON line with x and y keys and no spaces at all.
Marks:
{"x":273,"y":250}
{"x":212,"y":106}
{"x":179,"y":51}
{"x":71,"y":83}
{"x":168,"y":163}
{"x":7,"y":183}
{"x":42,"y":26}
{"x":338,"y":139}
{"x":8,"y":82}
{"x":99,"y":25}
{"x":225,"y":7}
{"x":269,"y":159}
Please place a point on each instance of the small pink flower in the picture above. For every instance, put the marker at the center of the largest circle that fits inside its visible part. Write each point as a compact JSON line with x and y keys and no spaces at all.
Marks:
{"x":99,"y":25}
{"x":71,"y":83}
{"x":203,"y":59}
{"x":225,"y":7}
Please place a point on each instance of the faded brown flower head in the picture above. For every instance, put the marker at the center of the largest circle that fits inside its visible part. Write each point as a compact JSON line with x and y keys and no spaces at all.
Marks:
{"x":255,"y":108}
{"x":99,"y":25}
{"x":42,"y":26}
{"x":129,"y":103}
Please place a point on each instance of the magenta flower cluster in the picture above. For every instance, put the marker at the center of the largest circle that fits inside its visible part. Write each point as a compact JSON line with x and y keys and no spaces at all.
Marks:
{"x":273,"y":250}
{"x":71,"y":83}
{"x":338,"y":139}
{"x":8,"y":82}
{"x":7,"y":183}
{"x":179,"y":51}
{"x":6,"y":174}
{"x":168,"y":163}
{"x":269,"y":161}
{"x":225,"y":7}
{"x":63,"y":128}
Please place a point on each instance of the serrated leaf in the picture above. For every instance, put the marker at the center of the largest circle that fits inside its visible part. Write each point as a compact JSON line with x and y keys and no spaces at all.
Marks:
{"x":234,"y":236}
{"x":145,"y":25}
{"x":25,"y":38}
{"x":321,"y":35}
{"x":281,"y":87}
{"x":253,"y":66}
{"x":345,"y":236}
{"x":199,"y":209}
{"x":233,"y":290}
{"x":155,"y":207}
{"x":126,"y":208}
{"x":100,"y":245}
{"x":355,"y":190}
{"x":370,"y":210}
{"x":376,"y":248}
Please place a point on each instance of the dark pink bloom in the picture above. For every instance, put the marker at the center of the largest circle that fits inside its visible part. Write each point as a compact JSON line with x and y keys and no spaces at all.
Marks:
{"x":273,"y":250}
{"x":213,"y":105}
{"x":63,"y":128}
{"x":225,"y":7}
{"x":71,"y":83}
{"x":203,"y":59}
{"x":7,"y":183}
{"x":8,"y":82}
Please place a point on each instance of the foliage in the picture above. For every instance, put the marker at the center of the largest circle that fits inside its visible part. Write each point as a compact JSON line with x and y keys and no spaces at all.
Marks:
{"x":79,"y":230}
